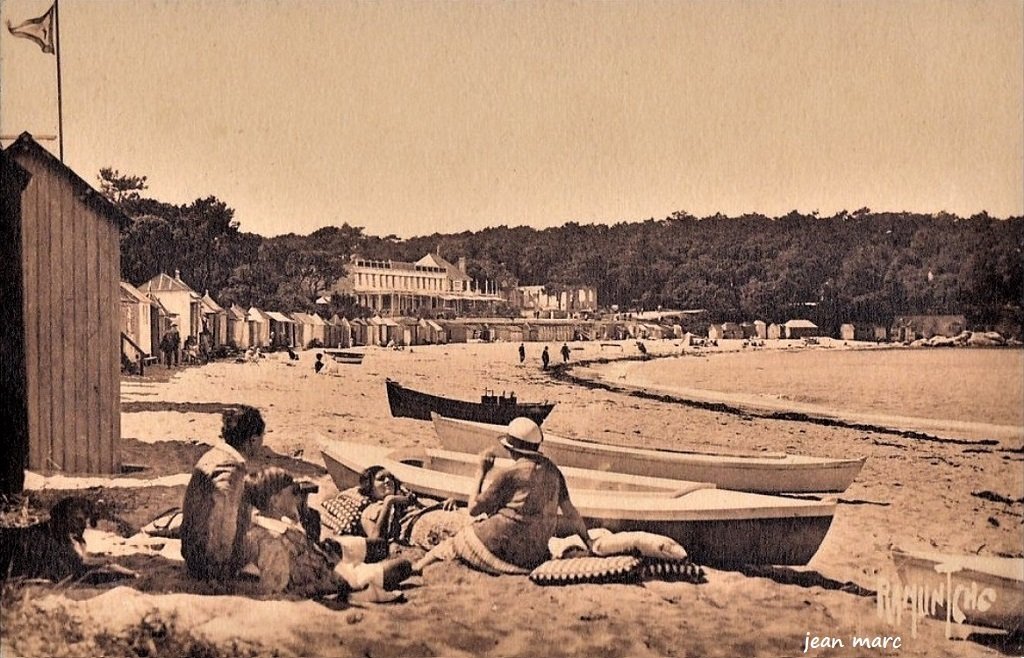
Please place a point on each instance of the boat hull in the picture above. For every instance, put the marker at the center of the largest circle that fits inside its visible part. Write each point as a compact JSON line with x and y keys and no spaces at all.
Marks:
{"x":408,"y":403}
{"x":343,"y":357}
{"x":716,"y":527}
{"x":1002,"y":577}
{"x":754,"y":473}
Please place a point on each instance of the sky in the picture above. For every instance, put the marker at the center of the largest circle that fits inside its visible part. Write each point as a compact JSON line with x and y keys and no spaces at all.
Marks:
{"x":408,"y":118}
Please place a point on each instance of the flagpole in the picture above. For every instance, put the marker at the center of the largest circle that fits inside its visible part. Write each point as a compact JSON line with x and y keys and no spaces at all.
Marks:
{"x":60,"y":103}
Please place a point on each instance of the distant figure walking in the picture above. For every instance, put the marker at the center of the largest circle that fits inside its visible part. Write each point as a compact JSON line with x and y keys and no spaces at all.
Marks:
{"x":640,"y":346}
{"x":565,"y":353}
{"x":545,"y":358}
{"x":319,"y":365}
{"x":522,"y":352}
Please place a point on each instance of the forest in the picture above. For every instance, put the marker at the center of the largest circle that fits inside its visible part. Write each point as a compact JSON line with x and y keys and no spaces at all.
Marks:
{"x":859,"y":266}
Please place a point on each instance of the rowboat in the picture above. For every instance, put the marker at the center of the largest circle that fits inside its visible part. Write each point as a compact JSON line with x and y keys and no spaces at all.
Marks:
{"x":715,"y":526}
{"x":408,"y":403}
{"x":753,"y":472}
{"x":986,"y":590}
{"x":342,"y":356}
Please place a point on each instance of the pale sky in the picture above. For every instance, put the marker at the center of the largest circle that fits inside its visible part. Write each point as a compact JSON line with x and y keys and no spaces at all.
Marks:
{"x":415,"y":117}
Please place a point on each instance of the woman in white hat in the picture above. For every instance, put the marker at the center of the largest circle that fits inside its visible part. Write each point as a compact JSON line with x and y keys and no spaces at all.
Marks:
{"x":522,"y":504}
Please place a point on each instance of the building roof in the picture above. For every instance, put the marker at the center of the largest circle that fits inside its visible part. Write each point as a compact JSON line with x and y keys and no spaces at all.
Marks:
{"x":800,"y":324}
{"x":279,"y":317}
{"x":317,"y":320}
{"x":435,"y":260}
{"x":25,"y":145}
{"x":164,"y":282}
{"x":236,"y":312}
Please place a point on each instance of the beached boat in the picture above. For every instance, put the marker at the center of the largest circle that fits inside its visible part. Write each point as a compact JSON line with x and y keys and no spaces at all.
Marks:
{"x":498,"y":409}
{"x":987,"y":590}
{"x":753,"y":472}
{"x":343,"y":356}
{"x":715,"y":526}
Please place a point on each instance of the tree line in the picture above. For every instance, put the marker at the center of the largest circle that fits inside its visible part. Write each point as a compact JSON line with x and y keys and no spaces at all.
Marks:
{"x":859,"y":266}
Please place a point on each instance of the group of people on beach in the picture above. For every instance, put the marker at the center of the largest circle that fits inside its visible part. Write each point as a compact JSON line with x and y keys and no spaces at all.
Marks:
{"x":245,"y":524}
{"x":545,"y":357}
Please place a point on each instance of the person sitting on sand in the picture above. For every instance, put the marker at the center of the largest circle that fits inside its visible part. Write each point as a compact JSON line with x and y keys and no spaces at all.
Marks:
{"x":216,"y":509}
{"x":522,"y":505}
{"x":395,"y":514}
{"x":288,"y":559}
{"x":319,"y":365}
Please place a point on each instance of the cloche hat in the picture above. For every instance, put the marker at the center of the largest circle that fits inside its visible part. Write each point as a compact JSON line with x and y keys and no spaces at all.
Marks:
{"x":523,"y":435}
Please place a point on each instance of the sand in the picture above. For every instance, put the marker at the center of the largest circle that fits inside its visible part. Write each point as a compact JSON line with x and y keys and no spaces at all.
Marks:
{"x":912,"y":493}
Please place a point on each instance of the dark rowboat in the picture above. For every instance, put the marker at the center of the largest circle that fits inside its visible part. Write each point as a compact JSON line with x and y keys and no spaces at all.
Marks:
{"x":494,"y":409}
{"x":341,"y":356}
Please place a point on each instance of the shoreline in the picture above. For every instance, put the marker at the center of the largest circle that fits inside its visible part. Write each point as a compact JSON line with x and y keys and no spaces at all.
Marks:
{"x":625,"y":375}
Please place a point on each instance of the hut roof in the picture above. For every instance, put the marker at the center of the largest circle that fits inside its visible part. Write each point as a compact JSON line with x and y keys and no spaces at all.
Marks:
{"x":26,"y":145}
{"x":134,"y":294}
{"x":256,"y":315}
{"x":210,"y":306}
{"x":166,"y":283}
{"x":317,"y":320}
{"x":236,"y":312}
{"x":801,"y":324}
{"x":279,"y":317}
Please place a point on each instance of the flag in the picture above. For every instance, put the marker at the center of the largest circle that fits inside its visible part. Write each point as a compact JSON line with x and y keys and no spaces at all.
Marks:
{"x":39,"y":30}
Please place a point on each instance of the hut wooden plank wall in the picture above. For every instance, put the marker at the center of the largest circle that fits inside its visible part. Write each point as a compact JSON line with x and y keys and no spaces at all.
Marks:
{"x":13,"y":411}
{"x":70,"y":278}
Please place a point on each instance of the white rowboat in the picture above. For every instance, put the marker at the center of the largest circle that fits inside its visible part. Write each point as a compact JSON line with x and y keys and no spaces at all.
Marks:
{"x":754,"y":472}
{"x":986,"y":590}
{"x":715,"y":526}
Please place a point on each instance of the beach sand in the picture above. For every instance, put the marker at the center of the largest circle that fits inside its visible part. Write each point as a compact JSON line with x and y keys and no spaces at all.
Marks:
{"x":912,"y":493}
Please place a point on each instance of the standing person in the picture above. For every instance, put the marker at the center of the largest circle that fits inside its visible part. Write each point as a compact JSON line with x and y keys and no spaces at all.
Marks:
{"x":216,"y":508}
{"x":522,"y":352}
{"x":175,"y":342}
{"x":522,"y":504}
{"x":319,"y":365}
{"x":565,"y":353}
{"x":545,"y":358}
{"x":165,"y":347}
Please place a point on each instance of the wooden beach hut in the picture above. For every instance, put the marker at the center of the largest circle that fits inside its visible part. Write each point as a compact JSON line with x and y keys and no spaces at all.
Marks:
{"x":238,"y":327}
{"x":183,"y":303}
{"x":341,"y":336}
{"x":374,"y":331}
{"x":410,"y":331}
{"x":432,"y":332}
{"x":725,"y":330}
{"x":318,"y":329}
{"x":457,"y":332}
{"x":282,"y":329}
{"x":259,"y":327}
{"x":61,"y":260}
{"x":140,"y":321}
{"x":215,"y":320}
{"x":303,"y":329}
{"x":775,"y":331}
{"x":360,"y":331}
{"x":801,"y":329}
{"x":391,"y":332}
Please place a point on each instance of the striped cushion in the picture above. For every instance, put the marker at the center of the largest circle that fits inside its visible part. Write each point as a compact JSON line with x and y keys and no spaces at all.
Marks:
{"x":675,"y":570}
{"x":614,"y":569}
